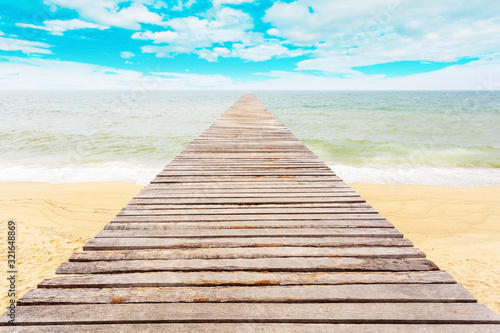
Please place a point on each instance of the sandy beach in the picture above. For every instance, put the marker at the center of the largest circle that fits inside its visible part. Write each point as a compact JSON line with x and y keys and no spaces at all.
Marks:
{"x":53,"y":221}
{"x":458,"y":228}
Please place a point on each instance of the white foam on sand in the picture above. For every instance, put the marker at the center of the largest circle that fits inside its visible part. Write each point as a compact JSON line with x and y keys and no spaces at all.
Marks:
{"x":68,"y":174}
{"x":143,"y":174}
{"x":421,"y":175}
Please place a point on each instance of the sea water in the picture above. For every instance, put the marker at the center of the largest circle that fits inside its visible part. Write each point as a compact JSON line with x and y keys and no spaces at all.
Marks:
{"x":438,"y":138}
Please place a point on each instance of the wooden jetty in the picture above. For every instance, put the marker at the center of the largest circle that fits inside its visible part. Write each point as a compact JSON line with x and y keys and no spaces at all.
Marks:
{"x":247,"y":230}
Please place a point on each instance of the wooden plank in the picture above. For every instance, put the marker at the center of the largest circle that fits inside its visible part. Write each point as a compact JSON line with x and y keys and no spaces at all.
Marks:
{"x":226,"y":173}
{"x":244,"y":211}
{"x":246,"y":200}
{"x":295,"y":205}
{"x":248,"y":179}
{"x":170,"y":192}
{"x":186,"y":243}
{"x":234,"y":253}
{"x":210,"y":169}
{"x":250,"y":224}
{"x":277,"y":232}
{"x":244,"y":217}
{"x":333,"y":264}
{"x":343,"y":313}
{"x":257,"y":327}
{"x":246,"y":165}
{"x":251,"y":169}
{"x":244,"y":160}
{"x":229,"y":150}
{"x":278,"y":186}
{"x":207,"y":279}
{"x":302,"y":155}
{"x":408,"y":293}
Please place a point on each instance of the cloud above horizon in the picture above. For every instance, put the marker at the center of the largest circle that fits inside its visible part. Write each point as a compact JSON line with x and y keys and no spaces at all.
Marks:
{"x":245,"y":43}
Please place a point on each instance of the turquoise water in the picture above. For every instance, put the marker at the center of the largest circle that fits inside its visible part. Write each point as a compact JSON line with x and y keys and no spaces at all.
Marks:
{"x":383,"y":137}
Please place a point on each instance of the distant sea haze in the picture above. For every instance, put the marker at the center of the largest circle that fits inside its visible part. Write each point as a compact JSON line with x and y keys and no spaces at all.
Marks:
{"x":436,"y":138}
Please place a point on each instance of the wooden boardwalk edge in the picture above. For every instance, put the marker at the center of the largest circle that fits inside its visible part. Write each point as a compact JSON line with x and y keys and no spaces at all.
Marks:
{"x":247,"y":230}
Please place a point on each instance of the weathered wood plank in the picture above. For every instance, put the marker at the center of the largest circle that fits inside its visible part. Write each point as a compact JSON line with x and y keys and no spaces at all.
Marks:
{"x":333,"y":264}
{"x":408,"y":293}
{"x":226,"y":173}
{"x":303,"y":155}
{"x":245,"y":217}
{"x":257,"y":327}
{"x":233,"y":253}
{"x":277,"y":232}
{"x":246,"y":165}
{"x":177,"y":206}
{"x":260,"y":186}
{"x":207,"y":279}
{"x":247,"y":179}
{"x":243,"y":211}
{"x":169,"y":192}
{"x":250,"y":224}
{"x":157,"y":200}
{"x":185,"y":243}
{"x":343,"y":313}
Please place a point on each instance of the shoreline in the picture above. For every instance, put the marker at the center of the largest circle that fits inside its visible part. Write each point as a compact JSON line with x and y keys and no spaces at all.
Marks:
{"x":457,"y":227}
{"x":447,"y":176}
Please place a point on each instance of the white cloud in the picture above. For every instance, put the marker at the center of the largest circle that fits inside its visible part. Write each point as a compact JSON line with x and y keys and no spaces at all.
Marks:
{"x":25,"y":46}
{"x":480,"y":75}
{"x":157,"y":37}
{"x":227,"y":25}
{"x":203,"y":36}
{"x":231,"y":2}
{"x":127,"y":54}
{"x":109,"y":13}
{"x":347,"y":34}
{"x":206,"y":38}
{"x":273,"y":32}
{"x":263,"y":52}
{"x":57,"y":27}
{"x":37,"y":73}
{"x":214,"y":54}
{"x":181,"y":5}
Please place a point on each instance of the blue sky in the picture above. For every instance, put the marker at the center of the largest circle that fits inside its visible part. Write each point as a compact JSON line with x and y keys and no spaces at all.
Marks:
{"x":244,"y":44}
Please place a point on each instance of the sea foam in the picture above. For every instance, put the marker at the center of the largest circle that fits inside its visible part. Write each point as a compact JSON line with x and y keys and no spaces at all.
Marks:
{"x":142,"y":175}
{"x":420,"y":175}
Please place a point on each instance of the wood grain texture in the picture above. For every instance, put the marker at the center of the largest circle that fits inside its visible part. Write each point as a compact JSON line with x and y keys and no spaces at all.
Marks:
{"x":249,"y":253}
{"x":242,"y":278}
{"x":342,"y":313}
{"x":288,"y":224}
{"x":186,"y":243}
{"x":330,"y":264}
{"x":262,"y":232}
{"x":256,"y":327}
{"x":378,"y":293}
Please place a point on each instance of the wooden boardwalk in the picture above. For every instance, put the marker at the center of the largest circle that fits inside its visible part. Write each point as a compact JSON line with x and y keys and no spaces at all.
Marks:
{"x":247,"y":230}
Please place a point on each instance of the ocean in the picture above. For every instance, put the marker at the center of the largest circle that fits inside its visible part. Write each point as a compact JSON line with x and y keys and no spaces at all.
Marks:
{"x":388,"y":137}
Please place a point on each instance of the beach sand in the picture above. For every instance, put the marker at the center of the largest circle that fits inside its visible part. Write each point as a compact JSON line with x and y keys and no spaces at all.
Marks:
{"x":53,"y":221}
{"x":458,"y":228}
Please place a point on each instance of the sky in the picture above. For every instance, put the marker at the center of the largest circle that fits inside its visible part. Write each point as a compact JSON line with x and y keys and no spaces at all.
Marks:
{"x":245,"y":44}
